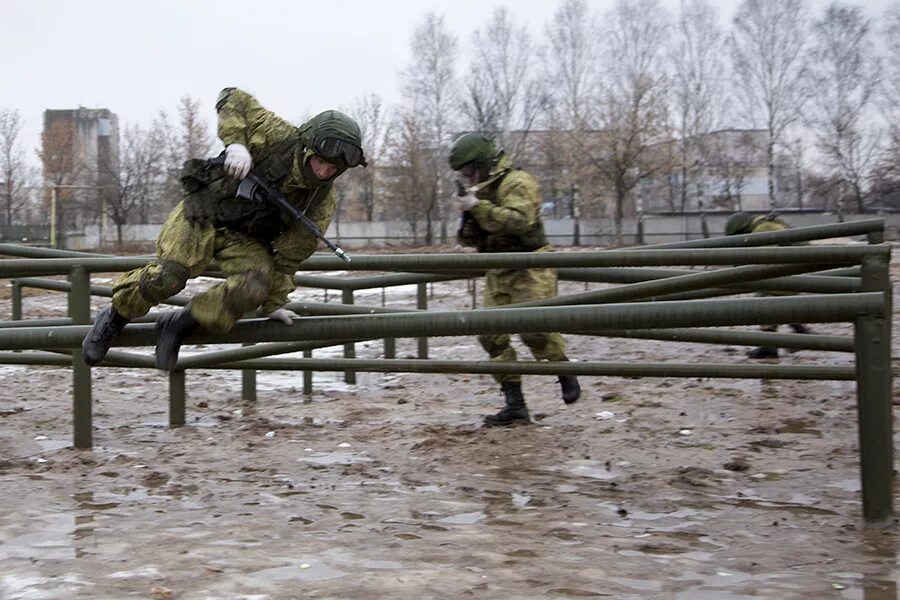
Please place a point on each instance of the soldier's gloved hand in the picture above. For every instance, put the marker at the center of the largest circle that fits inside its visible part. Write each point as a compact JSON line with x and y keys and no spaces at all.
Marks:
{"x":237,"y":161}
{"x":284,"y":315}
{"x":466,"y":202}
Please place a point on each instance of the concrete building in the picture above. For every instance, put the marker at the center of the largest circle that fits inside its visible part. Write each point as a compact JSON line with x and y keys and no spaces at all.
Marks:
{"x":80,"y":161}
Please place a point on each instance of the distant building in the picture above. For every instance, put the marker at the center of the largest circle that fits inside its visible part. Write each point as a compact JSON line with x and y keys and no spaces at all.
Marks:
{"x":80,"y":161}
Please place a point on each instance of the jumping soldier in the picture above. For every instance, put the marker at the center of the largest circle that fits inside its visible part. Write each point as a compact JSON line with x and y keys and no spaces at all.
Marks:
{"x":255,"y":245}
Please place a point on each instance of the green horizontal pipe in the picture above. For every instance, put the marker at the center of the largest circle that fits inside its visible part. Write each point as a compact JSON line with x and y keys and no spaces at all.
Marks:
{"x":37,"y":323}
{"x":513,"y":260}
{"x":199,"y":361}
{"x":727,"y":371}
{"x":670,"y":285}
{"x":798,"y":341}
{"x":374,"y":281}
{"x":334,"y":308}
{"x":784,"y":236}
{"x":815,"y":284}
{"x":647,"y":315}
{"x":382,"y":365}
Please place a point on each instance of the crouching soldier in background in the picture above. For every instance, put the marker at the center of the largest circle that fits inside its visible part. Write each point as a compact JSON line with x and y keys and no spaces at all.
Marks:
{"x":741,"y":223}
{"x":256,"y":246}
{"x":501,"y":213}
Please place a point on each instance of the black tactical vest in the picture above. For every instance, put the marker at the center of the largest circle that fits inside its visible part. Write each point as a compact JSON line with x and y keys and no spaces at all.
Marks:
{"x":210,"y":195}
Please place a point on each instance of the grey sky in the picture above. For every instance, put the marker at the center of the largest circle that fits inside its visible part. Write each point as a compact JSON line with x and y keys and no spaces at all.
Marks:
{"x":297,"y":57}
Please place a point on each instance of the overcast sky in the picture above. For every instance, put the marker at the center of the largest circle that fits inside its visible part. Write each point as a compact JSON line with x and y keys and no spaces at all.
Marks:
{"x":297,"y":57}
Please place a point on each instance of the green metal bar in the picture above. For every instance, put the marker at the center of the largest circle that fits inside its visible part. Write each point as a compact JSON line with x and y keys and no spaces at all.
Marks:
{"x":785,"y":236}
{"x":349,"y":348}
{"x":670,"y":285}
{"x":817,"y":284}
{"x":380,"y":365}
{"x":422,"y":304}
{"x":200,"y":361}
{"x":644,"y":315}
{"x":832,"y":343}
{"x":307,"y":375}
{"x":248,"y":385}
{"x":390,"y":347}
{"x":82,"y":403}
{"x":16,"y":297}
{"x":177,"y":398}
{"x":607,"y":258}
{"x":504,"y":260}
{"x":874,"y":408}
{"x":35,"y":358}
{"x":36,"y":323}
{"x":325,"y":308}
{"x":96,"y":290}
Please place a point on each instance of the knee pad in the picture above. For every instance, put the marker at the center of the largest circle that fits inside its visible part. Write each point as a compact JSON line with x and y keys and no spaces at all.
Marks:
{"x":535,"y":341}
{"x":164,"y":281}
{"x":494,"y":345}
{"x":247,"y":291}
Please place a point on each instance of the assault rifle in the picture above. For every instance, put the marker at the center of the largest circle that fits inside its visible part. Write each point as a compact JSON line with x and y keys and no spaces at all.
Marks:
{"x":254,"y":187}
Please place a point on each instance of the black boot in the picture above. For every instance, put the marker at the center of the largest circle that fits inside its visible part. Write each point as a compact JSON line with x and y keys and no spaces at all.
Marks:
{"x":763,"y":352}
{"x":515,"y":410}
{"x":800,"y":328}
{"x":108,"y":324}
{"x":171,"y":329}
{"x":571,"y":391}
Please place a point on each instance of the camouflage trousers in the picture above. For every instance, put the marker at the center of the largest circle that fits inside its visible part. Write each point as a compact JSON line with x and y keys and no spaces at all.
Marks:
{"x":184,"y":250}
{"x":508,"y":286}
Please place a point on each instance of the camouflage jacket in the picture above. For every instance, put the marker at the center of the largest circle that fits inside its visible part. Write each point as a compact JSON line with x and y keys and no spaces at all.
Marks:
{"x":508,"y":216}
{"x":243,"y":120}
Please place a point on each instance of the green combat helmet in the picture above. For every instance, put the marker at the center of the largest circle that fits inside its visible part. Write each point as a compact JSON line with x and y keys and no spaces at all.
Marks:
{"x":335,"y":137}
{"x":738,"y":223}
{"x":475,"y":148}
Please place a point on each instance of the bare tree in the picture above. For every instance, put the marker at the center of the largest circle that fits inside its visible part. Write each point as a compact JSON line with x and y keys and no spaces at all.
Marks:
{"x":503,"y":92}
{"x":410,"y":180}
{"x":767,"y":49}
{"x":14,"y":172}
{"x":844,"y":73}
{"x":568,"y":66}
{"x":632,"y":113}
{"x":696,"y":58}
{"x":430,"y":89}
{"x":369,"y":112}
{"x":887,"y":172}
{"x":135,"y":181}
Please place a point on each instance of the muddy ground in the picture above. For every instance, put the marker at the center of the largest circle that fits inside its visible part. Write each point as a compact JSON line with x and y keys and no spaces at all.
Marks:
{"x":647,"y":488}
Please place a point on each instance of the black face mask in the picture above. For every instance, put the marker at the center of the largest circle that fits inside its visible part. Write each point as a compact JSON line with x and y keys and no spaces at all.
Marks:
{"x":338,"y":151}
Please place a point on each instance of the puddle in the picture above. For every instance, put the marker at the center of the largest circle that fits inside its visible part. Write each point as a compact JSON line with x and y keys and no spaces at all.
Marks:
{"x":334,"y":458}
{"x":463,"y":518}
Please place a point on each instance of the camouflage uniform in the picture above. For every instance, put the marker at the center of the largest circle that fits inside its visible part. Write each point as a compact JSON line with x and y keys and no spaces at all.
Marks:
{"x":259,"y":272}
{"x":254,"y":244}
{"x":508,"y":219}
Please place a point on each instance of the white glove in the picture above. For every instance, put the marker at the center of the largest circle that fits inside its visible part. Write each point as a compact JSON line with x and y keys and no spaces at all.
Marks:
{"x":467,"y":202}
{"x":284,"y":315}
{"x":237,"y":161}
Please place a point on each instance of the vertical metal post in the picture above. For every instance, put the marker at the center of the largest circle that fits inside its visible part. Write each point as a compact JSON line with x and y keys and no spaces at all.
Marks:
{"x":474,"y":293}
{"x":422,"y":304}
{"x":390,"y":344}
{"x":248,"y":376}
{"x":307,"y":375}
{"x":873,"y":385}
{"x":248,"y":384}
{"x":177,"y":398}
{"x":16,"y":300}
{"x":349,"y":349}
{"x":82,"y":403}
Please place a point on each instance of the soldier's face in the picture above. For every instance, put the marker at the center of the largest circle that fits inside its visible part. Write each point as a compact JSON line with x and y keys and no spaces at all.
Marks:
{"x":470,"y":172}
{"x":322,"y":169}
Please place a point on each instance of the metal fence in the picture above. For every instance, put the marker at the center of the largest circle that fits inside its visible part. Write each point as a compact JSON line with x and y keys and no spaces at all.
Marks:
{"x":841,"y":283}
